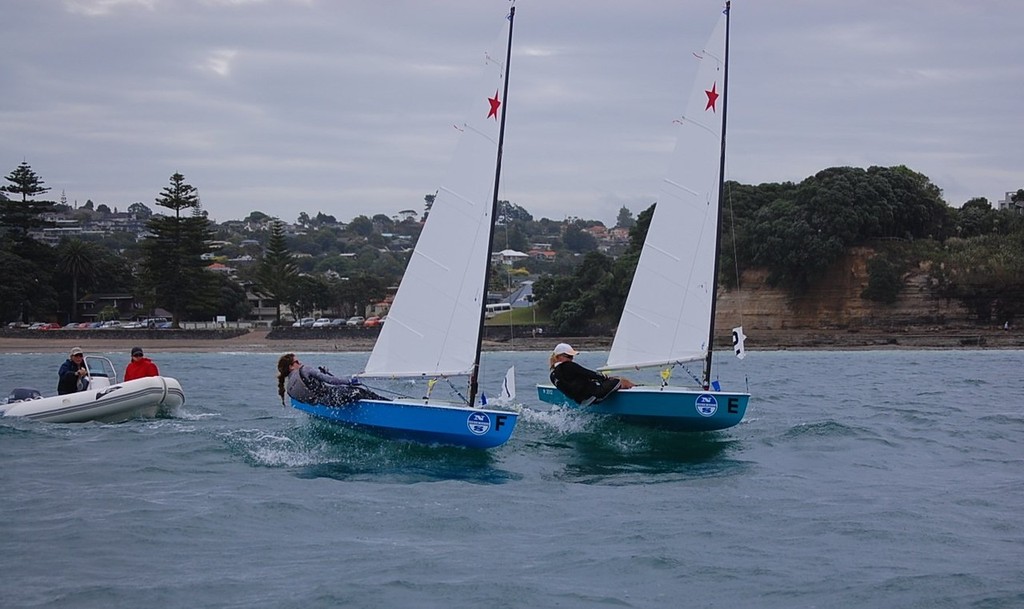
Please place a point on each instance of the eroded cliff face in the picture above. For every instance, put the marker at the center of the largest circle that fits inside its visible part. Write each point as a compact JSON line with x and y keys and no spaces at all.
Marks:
{"x":835,"y":303}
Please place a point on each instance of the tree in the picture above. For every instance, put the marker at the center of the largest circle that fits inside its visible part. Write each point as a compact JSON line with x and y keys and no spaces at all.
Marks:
{"x":25,"y":182}
{"x":625,"y":218}
{"x":227,"y":298}
{"x":257,"y":217}
{"x":360,"y":225}
{"x":311,"y":293}
{"x":428,"y":202}
{"x":885,"y":280}
{"x":78,"y":259}
{"x":322,"y":219}
{"x":354,"y":293}
{"x":141,"y":210}
{"x":578,"y":240}
{"x":383,"y":223}
{"x":26,"y":291}
{"x":20,"y":217}
{"x":510,"y":212}
{"x":277,"y":274}
{"x":986,"y":274}
{"x":173,"y":268}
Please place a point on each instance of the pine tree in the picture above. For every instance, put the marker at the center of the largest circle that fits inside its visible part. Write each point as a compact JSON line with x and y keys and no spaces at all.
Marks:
{"x":277,"y":272}
{"x":173,"y":268}
{"x":25,"y":182}
{"x":19,"y":217}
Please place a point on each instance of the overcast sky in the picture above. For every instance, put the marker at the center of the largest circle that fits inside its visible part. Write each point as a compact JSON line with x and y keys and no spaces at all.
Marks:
{"x":347,"y":107}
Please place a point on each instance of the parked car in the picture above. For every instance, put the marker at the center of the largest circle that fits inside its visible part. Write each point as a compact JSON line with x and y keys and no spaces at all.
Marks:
{"x":305,"y":322}
{"x":50,"y":326}
{"x":338,"y":321}
{"x":371,"y":322}
{"x":111,"y":324}
{"x":323,"y":322}
{"x":355,"y":320}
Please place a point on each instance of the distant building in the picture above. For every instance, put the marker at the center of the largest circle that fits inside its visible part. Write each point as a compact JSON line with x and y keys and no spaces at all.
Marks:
{"x":1007,"y":203}
{"x":508,"y":257}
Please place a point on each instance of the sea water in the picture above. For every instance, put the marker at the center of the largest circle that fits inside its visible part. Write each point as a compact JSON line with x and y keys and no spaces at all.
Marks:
{"x":857,"y":479}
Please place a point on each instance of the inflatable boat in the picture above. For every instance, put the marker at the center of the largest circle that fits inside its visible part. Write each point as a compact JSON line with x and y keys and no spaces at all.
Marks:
{"x":100,"y":398}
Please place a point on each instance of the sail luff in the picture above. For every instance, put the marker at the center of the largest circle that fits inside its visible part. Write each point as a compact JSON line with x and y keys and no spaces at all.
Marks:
{"x":474,"y":384}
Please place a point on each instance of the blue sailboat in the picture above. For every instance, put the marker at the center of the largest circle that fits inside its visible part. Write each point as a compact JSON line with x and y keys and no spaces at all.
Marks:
{"x":669,"y":313}
{"x":435,"y":325}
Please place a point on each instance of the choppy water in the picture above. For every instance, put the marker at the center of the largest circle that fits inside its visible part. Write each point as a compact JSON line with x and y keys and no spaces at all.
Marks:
{"x":860,"y":479}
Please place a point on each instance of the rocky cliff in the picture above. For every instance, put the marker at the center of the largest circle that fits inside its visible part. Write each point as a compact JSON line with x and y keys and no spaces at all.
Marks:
{"x":832,"y":313}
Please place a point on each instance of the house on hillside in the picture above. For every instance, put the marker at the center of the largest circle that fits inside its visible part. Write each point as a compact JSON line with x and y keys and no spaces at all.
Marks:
{"x":508,"y":257}
{"x":1008,"y":203}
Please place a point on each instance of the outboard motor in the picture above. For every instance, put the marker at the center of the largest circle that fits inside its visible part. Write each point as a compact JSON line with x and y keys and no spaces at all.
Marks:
{"x":21,"y":394}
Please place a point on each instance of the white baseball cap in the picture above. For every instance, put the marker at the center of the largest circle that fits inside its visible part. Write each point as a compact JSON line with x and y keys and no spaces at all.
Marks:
{"x":565,"y":349}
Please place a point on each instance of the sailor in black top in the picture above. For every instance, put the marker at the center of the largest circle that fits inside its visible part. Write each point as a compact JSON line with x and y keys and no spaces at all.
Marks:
{"x":582,"y":385}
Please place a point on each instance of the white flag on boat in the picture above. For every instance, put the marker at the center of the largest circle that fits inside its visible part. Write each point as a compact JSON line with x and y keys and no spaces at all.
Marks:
{"x":737,"y":342}
{"x":508,"y":387}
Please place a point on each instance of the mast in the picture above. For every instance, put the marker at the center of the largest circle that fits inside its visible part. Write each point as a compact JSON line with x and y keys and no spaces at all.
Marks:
{"x":474,"y":376}
{"x":706,"y":379}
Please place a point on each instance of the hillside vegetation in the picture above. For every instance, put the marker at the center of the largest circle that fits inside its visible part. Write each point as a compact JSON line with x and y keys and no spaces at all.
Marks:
{"x":842,"y":248}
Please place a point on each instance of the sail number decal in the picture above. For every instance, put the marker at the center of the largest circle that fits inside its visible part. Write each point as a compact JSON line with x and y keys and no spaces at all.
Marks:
{"x":706,"y":405}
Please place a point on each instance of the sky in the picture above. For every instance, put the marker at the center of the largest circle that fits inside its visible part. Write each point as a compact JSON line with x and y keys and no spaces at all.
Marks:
{"x":347,"y":107}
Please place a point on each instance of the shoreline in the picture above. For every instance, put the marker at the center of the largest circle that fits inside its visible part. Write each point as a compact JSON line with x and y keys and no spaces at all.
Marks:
{"x":257,"y":341}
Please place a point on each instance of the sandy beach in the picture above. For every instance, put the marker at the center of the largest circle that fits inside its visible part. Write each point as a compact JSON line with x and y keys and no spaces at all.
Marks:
{"x":262,"y":341}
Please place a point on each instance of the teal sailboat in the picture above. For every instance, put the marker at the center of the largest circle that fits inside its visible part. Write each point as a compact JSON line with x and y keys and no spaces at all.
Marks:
{"x":669,"y":313}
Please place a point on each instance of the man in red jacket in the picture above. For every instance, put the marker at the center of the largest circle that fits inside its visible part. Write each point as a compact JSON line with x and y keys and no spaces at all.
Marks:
{"x":140,"y":366}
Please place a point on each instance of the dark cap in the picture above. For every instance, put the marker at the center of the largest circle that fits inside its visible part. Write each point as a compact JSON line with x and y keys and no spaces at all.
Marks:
{"x":136,"y":351}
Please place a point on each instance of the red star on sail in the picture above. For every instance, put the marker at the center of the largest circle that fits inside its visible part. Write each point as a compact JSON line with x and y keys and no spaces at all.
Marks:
{"x":712,"y":97}
{"x":494,"y":105}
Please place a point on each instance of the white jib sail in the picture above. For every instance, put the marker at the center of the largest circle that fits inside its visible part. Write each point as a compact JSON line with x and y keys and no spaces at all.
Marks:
{"x":433,"y":324}
{"x":668,"y":311}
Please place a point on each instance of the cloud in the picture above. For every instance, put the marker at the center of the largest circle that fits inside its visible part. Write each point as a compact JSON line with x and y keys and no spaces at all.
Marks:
{"x":350,"y":104}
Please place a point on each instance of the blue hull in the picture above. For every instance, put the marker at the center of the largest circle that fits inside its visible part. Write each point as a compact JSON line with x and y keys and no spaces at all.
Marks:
{"x":419,"y":422}
{"x":666,"y":408}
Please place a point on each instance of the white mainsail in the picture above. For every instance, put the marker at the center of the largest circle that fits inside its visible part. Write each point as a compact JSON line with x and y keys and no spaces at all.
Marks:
{"x":433,"y":325}
{"x":667,"y":315}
